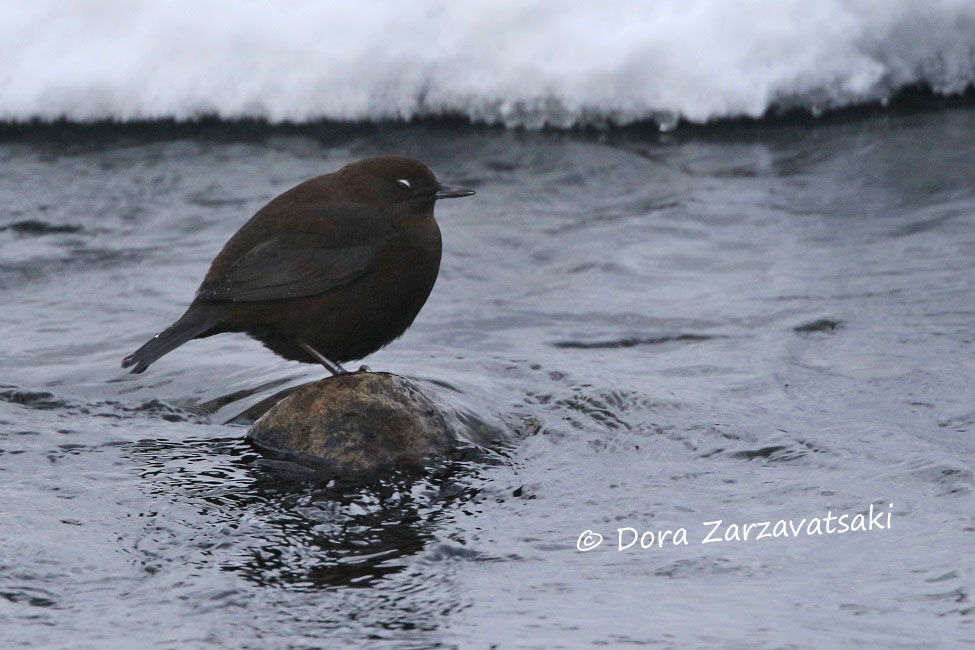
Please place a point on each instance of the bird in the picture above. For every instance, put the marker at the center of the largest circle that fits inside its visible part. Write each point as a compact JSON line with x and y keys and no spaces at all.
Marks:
{"x":327,"y":272}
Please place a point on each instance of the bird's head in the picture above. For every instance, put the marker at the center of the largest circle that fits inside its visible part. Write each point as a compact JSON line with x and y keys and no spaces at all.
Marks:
{"x":404,"y":184}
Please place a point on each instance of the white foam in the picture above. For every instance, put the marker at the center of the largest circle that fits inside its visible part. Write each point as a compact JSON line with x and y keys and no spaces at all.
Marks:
{"x":509,"y":61}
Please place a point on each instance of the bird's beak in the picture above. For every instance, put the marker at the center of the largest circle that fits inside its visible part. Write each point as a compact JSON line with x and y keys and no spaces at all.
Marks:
{"x":452,"y":192}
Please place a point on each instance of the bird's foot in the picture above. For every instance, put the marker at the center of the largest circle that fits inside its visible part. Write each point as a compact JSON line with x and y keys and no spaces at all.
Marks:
{"x":331,"y":366}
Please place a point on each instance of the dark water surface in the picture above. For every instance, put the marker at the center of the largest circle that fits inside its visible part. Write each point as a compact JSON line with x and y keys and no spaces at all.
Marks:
{"x":751,"y":325}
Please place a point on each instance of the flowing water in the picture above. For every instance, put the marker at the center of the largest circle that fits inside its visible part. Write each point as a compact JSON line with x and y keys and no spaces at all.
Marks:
{"x":772,"y":322}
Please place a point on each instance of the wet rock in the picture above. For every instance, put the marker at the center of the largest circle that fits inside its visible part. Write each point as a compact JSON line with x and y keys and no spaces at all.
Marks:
{"x":363,"y":421}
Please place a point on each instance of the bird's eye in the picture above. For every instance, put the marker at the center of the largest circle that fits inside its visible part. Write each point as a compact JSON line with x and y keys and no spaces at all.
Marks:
{"x":405,"y":183}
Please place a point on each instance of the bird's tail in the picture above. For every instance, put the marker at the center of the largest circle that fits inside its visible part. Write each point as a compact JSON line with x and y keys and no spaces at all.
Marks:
{"x":190,"y":325}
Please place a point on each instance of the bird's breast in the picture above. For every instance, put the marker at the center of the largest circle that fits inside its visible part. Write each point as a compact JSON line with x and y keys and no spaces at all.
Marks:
{"x":414,"y":258}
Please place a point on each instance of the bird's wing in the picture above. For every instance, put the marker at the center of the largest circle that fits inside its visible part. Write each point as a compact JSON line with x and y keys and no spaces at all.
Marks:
{"x":297,"y":263}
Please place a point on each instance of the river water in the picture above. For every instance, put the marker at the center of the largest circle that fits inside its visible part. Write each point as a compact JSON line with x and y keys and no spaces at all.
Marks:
{"x":745,"y":324}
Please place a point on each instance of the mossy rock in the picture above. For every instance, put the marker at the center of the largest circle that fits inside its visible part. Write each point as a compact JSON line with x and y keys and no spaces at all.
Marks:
{"x":360,"y":422}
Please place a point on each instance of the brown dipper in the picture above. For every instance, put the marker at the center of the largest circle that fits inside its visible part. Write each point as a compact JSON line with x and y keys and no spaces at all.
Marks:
{"x":329,"y":271}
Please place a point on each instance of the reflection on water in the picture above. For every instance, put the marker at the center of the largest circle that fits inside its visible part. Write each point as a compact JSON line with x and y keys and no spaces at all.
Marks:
{"x":745,"y":324}
{"x":287,"y":527}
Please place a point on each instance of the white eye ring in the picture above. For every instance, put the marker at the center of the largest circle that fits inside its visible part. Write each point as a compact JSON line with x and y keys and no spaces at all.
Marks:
{"x":405,"y":183}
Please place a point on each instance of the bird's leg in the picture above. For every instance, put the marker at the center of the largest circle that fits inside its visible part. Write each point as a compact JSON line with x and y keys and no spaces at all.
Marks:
{"x":331,"y":366}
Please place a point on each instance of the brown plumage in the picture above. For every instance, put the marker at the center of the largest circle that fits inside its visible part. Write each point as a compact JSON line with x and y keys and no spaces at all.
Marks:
{"x":329,"y":271}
